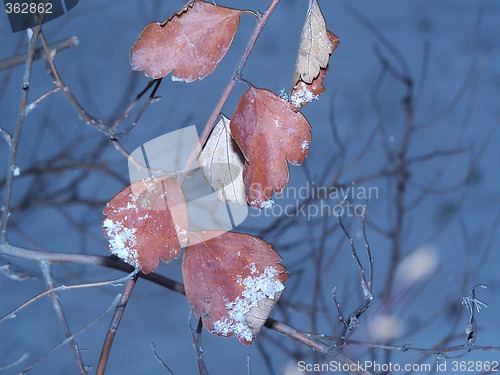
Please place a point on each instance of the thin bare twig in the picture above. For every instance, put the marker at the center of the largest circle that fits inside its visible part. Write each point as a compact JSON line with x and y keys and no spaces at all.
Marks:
{"x":98,"y":124}
{"x":365,"y":285}
{"x":164,"y":365}
{"x":113,"y":326}
{"x":14,"y":312}
{"x":196,"y":334}
{"x":4,"y":216}
{"x":20,"y":59}
{"x":18,"y":361}
{"x":72,"y":337}
{"x":45,"y":266}
{"x":30,"y":107}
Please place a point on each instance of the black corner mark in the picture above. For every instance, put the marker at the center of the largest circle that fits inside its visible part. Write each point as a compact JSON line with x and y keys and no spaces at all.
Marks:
{"x":24,"y":14}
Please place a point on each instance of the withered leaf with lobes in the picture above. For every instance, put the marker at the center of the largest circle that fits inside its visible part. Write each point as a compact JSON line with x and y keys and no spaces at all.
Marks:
{"x":315,"y":46}
{"x":147,"y":221}
{"x":303,"y":93}
{"x":269,"y":133}
{"x":190,"y":44}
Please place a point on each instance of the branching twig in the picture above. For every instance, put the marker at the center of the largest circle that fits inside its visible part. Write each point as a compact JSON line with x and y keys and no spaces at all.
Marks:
{"x":305,"y":339}
{"x":472,"y":304}
{"x":72,"y":337}
{"x":61,"y":316}
{"x":14,"y":312}
{"x":365,"y":285}
{"x":5,"y":210}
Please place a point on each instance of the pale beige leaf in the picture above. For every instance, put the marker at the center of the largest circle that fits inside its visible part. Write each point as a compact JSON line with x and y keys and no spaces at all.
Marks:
{"x":315,"y":46}
{"x":223,"y":164}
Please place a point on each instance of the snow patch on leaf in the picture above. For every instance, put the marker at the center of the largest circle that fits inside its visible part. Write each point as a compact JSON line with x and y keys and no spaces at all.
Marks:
{"x":303,"y":96}
{"x":257,"y":289}
{"x":305,"y":145}
{"x":266,"y":204}
{"x":146,"y":222}
{"x":122,"y":241}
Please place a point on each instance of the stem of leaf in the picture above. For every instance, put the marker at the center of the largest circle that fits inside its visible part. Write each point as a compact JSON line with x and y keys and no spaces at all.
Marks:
{"x":229,"y":88}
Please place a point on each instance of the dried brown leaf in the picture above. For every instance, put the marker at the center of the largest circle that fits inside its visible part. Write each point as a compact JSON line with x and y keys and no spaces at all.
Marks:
{"x":233,"y":282}
{"x":315,"y":46}
{"x":269,"y":133}
{"x":190,"y":44}
{"x":147,"y":221}
{"x":303,"y":93}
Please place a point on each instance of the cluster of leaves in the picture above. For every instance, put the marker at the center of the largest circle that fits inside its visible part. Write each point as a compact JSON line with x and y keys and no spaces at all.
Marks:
{"x":232,"y":279}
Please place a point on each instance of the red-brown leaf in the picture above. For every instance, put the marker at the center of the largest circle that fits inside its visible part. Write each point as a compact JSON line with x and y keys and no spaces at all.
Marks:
{"x":334,"y":40}
{"x":269,"y":133}
{"x":233,"y":282}
{"x":304,"y":93}
{"x":191,"y":43}
{"x":146,"y":222}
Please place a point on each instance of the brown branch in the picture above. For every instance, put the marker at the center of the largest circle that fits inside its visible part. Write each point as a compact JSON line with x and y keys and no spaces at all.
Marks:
{"x":98,"y":124}
{"x":61,"y":344}
{"x":196,"y":334}
{"x":113,"y":327}
{"x":305,"y":339}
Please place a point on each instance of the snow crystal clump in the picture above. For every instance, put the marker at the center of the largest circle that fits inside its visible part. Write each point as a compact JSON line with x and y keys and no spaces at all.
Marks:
{"x":257,"y":288}
{"x":265,"y":204}
{"x":283,"y":95}
{"x":16,"y":171}
{"x":149,"y":183}
{"x":252,"y":268}
{"x":122,"y":241}
{"x":303,"y":96}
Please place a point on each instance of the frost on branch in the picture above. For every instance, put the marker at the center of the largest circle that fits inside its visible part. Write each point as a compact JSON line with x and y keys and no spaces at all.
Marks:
{"x":146,"y":222}
{"x":269,"y":133}
{"x":191,"y":43}
{"x":233,"y":282}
